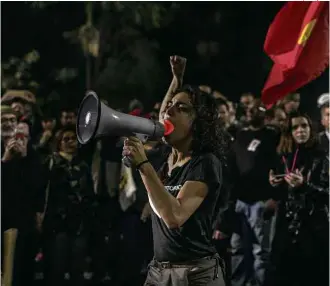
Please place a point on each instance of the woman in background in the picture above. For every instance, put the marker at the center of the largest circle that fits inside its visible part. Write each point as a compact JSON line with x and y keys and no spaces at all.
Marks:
{"x":69,"y":212}
{"x":301,"y":183}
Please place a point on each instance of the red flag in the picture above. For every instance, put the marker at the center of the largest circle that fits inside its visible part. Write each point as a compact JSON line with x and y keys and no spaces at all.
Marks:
{"x":298,"y":43}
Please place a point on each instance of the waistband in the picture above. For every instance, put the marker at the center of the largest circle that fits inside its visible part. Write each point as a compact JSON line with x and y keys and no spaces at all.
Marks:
{"x":218,"y":261}
{"x":189,"y":263}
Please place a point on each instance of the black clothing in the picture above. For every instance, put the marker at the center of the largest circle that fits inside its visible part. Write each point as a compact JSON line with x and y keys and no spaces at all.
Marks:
{"x":193,"y":239}
{"x":252,"y":157}
{"x":233,"y":129}
{"x":25,"y":251}
{"x":22,"y":197}
{"x":312,"y":197}
{"x":44,"y":149}
{"x":22,"y":191}
{"x":64,"y":253}
{"x":71,"y":197}
{"x":324,"y":141}
{"x":302,"y":232}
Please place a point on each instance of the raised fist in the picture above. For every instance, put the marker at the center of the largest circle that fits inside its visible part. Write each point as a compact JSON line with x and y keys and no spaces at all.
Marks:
{"x":178,"y":65}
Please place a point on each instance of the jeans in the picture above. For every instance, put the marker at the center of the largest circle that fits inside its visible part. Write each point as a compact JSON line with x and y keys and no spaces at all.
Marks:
{"x":251,"y":244}
{"x":202,"y":272}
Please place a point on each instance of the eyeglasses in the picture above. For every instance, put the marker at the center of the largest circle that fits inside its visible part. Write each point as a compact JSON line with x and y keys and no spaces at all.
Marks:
{"x":67,"y":139}
{"x":8,"y":120}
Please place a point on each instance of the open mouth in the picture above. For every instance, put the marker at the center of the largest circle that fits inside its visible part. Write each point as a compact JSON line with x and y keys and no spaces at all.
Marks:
{"x":169,"y":127}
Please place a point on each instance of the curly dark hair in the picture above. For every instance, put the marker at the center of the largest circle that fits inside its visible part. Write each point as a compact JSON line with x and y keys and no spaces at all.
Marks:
{"x":208,"y":134}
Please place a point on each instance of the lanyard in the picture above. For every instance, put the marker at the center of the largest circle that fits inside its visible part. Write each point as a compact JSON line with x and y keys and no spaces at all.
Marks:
{"x":293,"y":163}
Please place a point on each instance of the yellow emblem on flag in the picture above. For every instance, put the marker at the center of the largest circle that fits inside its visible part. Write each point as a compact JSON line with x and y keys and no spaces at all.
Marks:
{"x":306,"y":32}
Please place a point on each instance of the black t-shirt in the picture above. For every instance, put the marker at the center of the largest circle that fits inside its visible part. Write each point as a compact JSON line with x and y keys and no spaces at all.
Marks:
{"x":193,"y":239}
{"x":254,"y":155}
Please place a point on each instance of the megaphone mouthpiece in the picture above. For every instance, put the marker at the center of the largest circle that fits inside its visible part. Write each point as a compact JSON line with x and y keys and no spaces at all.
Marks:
{"x":169,"y":127}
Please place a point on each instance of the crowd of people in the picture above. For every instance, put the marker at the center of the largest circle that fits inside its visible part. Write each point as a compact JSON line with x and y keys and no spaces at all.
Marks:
{"x":68,"y":210}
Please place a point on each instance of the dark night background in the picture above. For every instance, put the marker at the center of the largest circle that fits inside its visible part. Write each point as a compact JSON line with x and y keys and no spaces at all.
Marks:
{"x":237,"y":30}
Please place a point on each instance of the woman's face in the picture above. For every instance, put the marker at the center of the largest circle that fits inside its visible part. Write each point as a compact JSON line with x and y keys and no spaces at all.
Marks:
{"x":180,"y":112}
{"x":301,"y":131}
{"x":69,"y":142}
{"x":18,"y":107}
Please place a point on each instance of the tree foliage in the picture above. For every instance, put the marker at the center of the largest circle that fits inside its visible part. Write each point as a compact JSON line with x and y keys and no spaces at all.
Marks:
{"x":118,"y":51}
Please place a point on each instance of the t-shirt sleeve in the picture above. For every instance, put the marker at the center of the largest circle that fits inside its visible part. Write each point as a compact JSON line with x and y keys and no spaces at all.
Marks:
{"x":207,"y":169}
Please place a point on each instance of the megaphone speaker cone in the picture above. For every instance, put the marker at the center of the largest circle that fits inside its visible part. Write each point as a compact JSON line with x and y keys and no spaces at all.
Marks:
{"x":88,"y":117}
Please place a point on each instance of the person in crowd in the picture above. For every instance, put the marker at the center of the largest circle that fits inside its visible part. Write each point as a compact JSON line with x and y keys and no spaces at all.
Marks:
{"x":134,"y":226}
{"x":290,"y":103}
{"x":22,"y":197}
{"x":276,"y":117}
{"x":254,"y":207}
{"x":24,"y":104}
{"x":184,"y":196}
{"x":324,"y":135}
{"x":154,"y":114}
{"x":224,"y":116}
{"x":8,"y":123}
{"x":68,"y":117}
{"x":69,"y":211}
{"x":46,"y":138}
{"x":246,"y":100}
{"x":245,"y":104}
{"x":135,"y":107}
{"x":21,"y":101}
{"x":300,"y":179}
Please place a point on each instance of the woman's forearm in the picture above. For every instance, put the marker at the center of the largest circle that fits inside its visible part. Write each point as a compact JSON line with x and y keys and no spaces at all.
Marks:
{"x":175,"y":84}
{"x":165,"y":204}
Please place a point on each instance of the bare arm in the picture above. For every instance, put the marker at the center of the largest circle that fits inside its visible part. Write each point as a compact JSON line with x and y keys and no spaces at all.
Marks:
{"x":175,"y":85}
{"x":178,"y":65}
{"x":174,"y":211}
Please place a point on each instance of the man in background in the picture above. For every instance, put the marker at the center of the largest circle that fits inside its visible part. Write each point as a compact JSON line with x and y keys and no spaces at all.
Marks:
{"x":254,"y":208}
{"x":22,"y":198}
{"x":323,"y":103}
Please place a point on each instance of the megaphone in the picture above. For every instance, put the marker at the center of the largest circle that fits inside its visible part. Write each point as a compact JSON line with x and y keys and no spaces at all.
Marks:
{"x":95,"y":120}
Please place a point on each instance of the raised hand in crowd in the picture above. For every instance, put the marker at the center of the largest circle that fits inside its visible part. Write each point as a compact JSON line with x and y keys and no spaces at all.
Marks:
{"x":14,"y":148}
{"x":178,"y":66}
{"x":46,"y":135}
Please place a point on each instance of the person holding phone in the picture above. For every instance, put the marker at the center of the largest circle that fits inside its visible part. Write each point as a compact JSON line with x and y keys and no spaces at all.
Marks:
{"x":22,"y":198}
{"x":301,"y":181}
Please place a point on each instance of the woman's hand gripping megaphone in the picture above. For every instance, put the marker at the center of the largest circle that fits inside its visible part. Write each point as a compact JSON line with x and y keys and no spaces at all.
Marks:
{"x":133,"y":150}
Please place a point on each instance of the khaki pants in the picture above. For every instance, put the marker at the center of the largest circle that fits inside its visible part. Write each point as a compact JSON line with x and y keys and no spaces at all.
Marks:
{"x":207,"y":271}
{"x":10,"y":237}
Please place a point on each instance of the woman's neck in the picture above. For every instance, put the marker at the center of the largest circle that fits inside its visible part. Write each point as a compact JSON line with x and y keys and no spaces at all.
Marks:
{"x":179,"y":158}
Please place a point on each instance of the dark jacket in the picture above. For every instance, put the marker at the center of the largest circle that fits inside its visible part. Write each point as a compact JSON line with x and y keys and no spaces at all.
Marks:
{"x":22,"y":188}
{"x":305,"y":209}
{"x":71,"y":199}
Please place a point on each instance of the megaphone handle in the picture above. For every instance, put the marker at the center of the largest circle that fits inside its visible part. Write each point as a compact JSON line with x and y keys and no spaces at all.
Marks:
{"x":127,"y":161}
